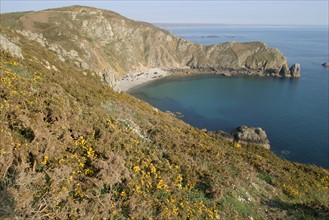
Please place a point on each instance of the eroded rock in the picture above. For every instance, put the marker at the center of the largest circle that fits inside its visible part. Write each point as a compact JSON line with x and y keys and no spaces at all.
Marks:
{"x":248,"y":134}
{"x":245,"y":134}
{"x":10,"y":47}
{"x":37,"y":37}
{"x":285,"y":72}
{"x":295,"y":70}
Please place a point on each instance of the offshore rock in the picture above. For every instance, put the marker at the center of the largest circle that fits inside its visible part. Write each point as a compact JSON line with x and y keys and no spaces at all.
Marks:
{"x":325,"y":64}
{"x":295,"y":70}
{"x":248,"y":134}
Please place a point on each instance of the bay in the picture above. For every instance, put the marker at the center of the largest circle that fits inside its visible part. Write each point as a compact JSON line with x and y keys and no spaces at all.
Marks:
{"x":294,"y":112}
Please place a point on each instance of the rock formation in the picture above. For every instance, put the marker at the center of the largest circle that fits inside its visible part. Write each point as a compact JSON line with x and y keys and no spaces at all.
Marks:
{"x":295,"y":70}
{"x":326,"y":64}
{"x":247,"y":134}
{"x":10,"y":47}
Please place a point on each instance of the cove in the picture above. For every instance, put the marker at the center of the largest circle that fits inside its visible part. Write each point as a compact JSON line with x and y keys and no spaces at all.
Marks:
{"x":294,"y":118}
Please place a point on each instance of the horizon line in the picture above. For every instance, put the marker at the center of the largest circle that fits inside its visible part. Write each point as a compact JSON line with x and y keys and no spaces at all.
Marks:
{"x":227,"y":24}
{"x":202,"y":24}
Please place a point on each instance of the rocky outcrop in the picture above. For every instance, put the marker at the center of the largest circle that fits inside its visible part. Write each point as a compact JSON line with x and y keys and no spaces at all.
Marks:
{"x":295,"y":70}
{"x":325,"y":64}
{"x":61,"y":52}
{"x":247,"y":134}
{"x":34,"y":36}
{"x":10,"y":47}
{"x":108,"y":77}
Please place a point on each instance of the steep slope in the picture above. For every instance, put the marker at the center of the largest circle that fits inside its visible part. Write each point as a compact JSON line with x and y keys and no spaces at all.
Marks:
{"x":72,"y":148}
{"x":111,"y":45}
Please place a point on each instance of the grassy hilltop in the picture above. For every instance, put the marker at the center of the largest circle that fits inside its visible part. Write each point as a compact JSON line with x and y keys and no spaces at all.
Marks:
{"x":72,"y":148}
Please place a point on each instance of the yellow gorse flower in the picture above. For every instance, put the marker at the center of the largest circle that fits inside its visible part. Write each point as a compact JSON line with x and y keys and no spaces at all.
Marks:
{"x":162,"y":185}
{"x":45,"y":160}
{"x":137,"y":169}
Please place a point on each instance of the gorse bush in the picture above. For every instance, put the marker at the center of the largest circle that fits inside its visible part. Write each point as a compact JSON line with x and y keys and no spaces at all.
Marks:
{"x":55,"y":160}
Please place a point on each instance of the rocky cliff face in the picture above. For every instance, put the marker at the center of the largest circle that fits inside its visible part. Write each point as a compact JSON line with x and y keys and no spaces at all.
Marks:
{"x":111,"y":46}
{"x":10,"y":47}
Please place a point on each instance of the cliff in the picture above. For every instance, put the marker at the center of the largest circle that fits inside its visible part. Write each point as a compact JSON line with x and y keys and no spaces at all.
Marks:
{"x":111,"y":46}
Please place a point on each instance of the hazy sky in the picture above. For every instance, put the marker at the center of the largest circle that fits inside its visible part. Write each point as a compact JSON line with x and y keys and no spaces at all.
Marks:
{"x":281,"y":12}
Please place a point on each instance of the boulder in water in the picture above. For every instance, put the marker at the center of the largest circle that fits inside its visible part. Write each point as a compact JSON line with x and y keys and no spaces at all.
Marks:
{"x":325,"y":64}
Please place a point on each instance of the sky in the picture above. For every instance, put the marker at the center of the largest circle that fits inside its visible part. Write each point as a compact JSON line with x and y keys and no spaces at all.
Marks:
{"x":259,"y":12}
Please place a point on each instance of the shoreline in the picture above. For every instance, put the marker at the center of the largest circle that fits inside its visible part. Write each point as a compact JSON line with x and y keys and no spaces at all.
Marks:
{"x":135,"y":79}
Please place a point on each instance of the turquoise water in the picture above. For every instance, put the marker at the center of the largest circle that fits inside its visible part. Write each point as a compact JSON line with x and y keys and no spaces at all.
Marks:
{"x":294,"y":112}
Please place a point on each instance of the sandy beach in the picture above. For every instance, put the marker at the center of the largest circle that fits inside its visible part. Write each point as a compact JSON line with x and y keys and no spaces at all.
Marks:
{"x":134,"y":79}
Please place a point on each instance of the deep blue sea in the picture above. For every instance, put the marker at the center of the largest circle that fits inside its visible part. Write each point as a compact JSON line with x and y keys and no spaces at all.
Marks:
{"x":293,"y":112}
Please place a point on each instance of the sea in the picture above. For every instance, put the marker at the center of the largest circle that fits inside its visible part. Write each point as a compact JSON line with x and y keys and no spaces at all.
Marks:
{"x":293,"y":112}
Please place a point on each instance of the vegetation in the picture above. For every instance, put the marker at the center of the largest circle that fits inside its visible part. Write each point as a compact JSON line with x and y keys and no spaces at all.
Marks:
{"x":72,"y":148}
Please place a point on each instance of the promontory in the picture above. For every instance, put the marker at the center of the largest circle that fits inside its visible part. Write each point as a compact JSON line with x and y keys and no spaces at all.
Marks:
{"x":107,"y":44}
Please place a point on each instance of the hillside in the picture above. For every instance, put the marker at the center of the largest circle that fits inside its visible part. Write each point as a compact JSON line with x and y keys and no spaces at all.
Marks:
{"x":72,"y":148}
{"x":109,"y":45}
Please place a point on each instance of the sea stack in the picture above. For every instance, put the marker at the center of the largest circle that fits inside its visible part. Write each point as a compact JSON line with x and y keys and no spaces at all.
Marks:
{"x":295,"y":70}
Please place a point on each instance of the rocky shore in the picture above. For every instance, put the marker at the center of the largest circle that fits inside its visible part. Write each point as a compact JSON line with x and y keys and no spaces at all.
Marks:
{"x":133,"y":79}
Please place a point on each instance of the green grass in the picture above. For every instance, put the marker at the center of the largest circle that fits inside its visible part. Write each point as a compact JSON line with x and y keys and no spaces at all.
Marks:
{"x":266,"y":177}
{"x":11,"y":20}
